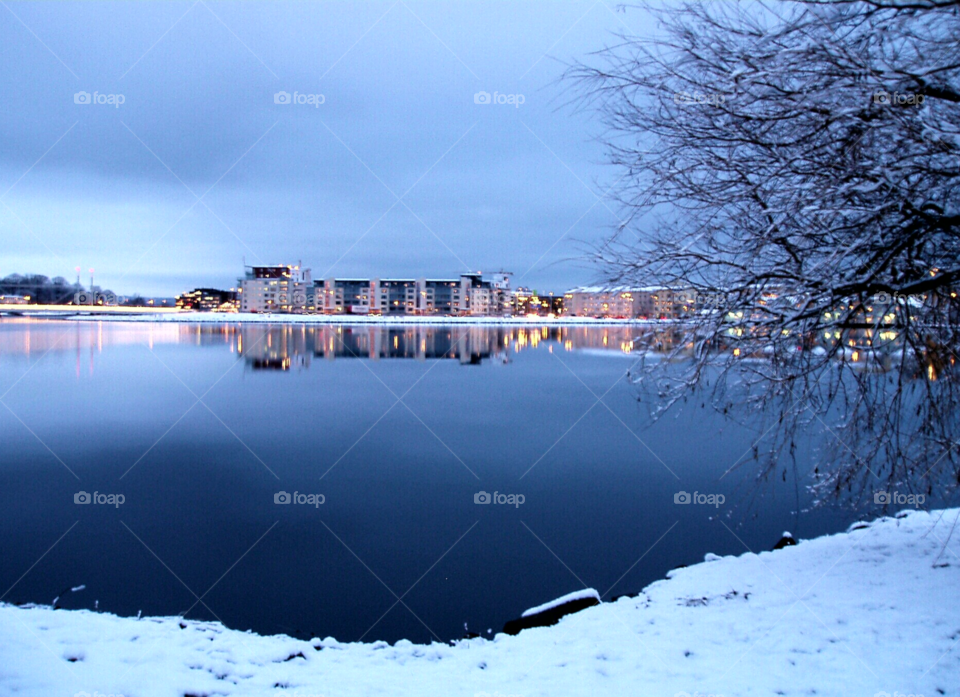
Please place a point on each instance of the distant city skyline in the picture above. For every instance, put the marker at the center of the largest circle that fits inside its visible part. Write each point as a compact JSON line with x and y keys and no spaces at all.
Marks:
{"x":163,"y":144}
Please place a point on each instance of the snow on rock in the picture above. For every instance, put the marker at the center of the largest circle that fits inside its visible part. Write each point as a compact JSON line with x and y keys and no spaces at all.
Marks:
{"x":785,"y":540}
{"x":549,"y":614}
{"x":874,"y":609}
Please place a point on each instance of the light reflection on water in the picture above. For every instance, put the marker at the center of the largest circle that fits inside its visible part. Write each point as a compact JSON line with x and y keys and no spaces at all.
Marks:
{"x":282,"y":346}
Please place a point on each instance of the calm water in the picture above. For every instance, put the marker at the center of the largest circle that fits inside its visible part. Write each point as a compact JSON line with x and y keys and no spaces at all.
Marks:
{"x":199,"y":428}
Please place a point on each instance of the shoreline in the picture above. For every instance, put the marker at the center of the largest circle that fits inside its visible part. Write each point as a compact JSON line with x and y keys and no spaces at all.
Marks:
{"x":813,"y":618}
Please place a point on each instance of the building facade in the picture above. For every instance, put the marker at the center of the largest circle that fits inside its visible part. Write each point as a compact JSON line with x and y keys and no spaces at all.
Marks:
{"x":208,"y":300}
{"x":629,"y":302}
{"x":285,"y":288}
{"x":351,"y":296}
{"x":278,"y":288}
{"x":529,"y":303}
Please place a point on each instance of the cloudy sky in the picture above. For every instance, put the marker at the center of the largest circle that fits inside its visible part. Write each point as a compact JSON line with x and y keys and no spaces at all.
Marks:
{"x":398,"y":172}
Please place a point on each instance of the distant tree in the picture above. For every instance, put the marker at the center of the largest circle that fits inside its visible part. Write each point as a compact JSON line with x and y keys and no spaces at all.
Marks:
{"x":39,"y":288}
{"x":795,"y":168}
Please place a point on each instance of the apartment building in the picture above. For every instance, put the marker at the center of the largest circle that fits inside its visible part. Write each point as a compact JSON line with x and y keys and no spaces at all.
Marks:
{"x":208,"y":300}
{"x":607,"y":301}
{"x":528,"y":302}
{"x":352,"y":296}
{"x":277,"y":288}
{"x":394,"y":296}
{"x":440,"y":296}
{"x":286,"y":288}
{"x":629,"y":302}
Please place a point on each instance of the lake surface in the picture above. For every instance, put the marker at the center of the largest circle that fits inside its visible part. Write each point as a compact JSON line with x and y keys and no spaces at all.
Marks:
{"x":200,"y":428}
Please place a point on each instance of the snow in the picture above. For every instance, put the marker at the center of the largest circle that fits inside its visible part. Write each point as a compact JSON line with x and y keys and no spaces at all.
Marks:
{"x":874,"y":609}
{"x":563,"y":600}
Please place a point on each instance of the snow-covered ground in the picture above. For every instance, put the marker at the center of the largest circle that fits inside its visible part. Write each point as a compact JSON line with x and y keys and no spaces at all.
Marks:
{"x":874,"y":611}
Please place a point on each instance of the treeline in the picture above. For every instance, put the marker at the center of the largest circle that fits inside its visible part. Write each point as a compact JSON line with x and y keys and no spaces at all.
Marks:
{"x":43,"y":290}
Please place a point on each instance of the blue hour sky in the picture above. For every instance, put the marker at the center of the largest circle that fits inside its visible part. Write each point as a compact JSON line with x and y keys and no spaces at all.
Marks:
{"x":398,"y":172}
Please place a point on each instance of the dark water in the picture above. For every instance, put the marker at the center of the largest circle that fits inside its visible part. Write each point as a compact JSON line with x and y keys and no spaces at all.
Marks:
{"x":398,"y":430}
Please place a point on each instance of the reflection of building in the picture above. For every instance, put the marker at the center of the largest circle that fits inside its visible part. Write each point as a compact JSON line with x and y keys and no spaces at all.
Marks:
{"x":279,"y":347}
{"x":276,"y":289}
{"x":267,"y":347}
{"x":209,"y":300}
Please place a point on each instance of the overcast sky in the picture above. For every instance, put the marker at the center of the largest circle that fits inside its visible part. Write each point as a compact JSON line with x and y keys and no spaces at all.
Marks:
{"x":399,"y":172}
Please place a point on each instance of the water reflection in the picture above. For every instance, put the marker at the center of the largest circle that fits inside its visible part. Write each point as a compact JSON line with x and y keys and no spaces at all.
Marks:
{"x":285,"y":346}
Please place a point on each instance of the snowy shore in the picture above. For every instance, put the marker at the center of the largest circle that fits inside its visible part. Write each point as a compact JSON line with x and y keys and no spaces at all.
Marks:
{"x":870,"y":611}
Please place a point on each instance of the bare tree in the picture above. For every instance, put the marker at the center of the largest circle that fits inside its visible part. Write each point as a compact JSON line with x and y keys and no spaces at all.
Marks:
{"x":793,"y":168}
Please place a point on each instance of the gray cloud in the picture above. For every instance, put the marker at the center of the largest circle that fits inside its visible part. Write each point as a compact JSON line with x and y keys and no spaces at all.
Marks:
{"x":293,"y":181}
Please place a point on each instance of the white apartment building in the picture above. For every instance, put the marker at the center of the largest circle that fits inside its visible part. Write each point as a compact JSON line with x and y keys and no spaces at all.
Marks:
{"x":277,"y":288}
